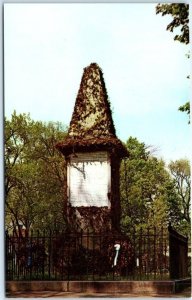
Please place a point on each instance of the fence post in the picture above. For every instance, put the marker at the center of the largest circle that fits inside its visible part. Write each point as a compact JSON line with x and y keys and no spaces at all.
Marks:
{"x":135,"y":253}
{"x":49,"y":251}
{"x":6,"y":254}
{"x":160,"y":254}
{"x":30,"y":258}
{"x":155,"y":254}
{"x":178,"y":248}
{"x":148,"y":253}
{"x":140,"y":253}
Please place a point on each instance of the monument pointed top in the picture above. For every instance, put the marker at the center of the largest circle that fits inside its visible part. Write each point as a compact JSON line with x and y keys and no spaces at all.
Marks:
{"x":92,"y":113}
{"x":91,"y":127}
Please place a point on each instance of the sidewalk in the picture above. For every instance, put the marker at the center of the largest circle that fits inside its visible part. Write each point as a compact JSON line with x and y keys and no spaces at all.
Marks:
{"x":52,"y":294}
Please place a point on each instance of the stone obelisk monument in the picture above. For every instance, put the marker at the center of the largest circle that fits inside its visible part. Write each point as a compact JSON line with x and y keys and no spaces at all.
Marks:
{"x":93,"y":154}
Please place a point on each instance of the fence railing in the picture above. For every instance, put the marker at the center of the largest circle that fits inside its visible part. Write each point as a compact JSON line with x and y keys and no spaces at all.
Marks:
{"x":81,"y":255}
{"x":178,"y":255}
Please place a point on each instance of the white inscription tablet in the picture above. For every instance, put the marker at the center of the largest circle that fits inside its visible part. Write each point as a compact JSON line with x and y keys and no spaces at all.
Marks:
{"x":89,"y":177}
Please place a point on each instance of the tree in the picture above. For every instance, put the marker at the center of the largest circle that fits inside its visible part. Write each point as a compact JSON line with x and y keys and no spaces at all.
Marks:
{"x":186,"y":108}
{"x":180,"y":170}
{"x":145,"y":187}
{"x":180,"y":14}
{"x":34,"y":174}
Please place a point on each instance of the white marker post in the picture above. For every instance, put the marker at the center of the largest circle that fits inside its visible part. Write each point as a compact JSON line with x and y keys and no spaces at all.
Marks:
{"x":117,"y":248}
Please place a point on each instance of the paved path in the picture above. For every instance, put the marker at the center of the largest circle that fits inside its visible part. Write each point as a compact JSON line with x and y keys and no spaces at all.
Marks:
{"x":50,"y":294}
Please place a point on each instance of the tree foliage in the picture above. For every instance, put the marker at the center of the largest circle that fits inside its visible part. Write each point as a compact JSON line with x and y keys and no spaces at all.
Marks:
{"x":35,"y":180}
{"x":34,"y":173}
{"x":180,"y":170}
{"x":141,"y":178}
{"x":149,"y":196}
{"x":185,"y":108}
{"x":180,"y":14}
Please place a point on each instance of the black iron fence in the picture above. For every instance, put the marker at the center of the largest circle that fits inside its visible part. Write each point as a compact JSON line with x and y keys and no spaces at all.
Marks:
{"x":142,"y":255}
{"x":179,"y":260}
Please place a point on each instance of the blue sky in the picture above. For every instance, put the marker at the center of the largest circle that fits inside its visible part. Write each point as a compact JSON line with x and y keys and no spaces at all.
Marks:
{"x":46,"y":47}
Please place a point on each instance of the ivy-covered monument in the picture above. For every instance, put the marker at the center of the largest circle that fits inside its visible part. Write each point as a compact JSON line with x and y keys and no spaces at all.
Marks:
{"x":93,"y":154}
